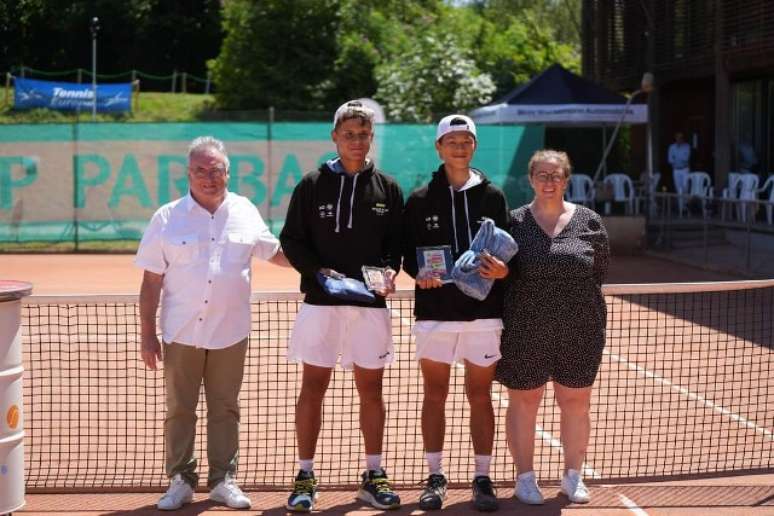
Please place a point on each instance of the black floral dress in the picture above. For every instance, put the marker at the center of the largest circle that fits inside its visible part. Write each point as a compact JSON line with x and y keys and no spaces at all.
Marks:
{"x":554,"y":312}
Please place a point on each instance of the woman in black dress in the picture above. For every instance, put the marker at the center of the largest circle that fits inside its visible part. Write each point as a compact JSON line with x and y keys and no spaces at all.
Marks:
{"x":554,"y":322}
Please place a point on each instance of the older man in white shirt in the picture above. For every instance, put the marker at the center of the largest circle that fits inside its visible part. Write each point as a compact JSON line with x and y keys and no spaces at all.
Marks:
{"x":197,"y":249}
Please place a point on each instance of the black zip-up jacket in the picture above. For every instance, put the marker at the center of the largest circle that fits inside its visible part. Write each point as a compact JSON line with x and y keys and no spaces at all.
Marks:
{"x":330,"y":225}
{"x":427,"y":221}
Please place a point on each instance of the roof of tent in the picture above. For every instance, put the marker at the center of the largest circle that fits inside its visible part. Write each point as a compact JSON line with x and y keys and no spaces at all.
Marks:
{"x":559,"y":97}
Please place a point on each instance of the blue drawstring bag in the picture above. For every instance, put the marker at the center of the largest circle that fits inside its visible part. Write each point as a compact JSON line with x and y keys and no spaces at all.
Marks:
{"x":349,"y":289}
{"x":498,"y":243}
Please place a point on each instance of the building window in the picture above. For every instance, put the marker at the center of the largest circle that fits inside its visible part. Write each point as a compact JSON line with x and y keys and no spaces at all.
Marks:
{"x":747,"y":125}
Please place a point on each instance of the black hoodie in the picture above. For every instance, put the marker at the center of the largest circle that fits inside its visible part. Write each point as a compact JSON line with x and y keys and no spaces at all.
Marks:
{"x":427,"y":221}
{"x":330,"y":225}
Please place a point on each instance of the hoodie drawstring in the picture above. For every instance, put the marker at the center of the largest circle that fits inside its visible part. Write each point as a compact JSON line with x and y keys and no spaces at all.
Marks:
{"x":467,"y":217}
{"x":338,"y":204}
{"x":352,"y":200}
{"x":454,"y":218}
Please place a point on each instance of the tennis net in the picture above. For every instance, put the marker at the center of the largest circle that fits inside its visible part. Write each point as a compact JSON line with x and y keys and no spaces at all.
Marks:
{"x":686,"y":387}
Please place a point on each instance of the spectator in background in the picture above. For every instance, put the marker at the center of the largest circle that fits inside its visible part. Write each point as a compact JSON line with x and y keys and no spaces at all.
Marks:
{"x":679,"y":157}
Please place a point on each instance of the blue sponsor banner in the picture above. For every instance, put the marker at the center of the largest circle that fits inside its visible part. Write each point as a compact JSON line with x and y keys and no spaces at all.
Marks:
{"x":71,"y":96}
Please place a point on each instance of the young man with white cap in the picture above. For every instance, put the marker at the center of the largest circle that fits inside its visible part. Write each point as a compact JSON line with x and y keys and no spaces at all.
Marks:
{"x":452,"y":327}
{"x":343,"y":216}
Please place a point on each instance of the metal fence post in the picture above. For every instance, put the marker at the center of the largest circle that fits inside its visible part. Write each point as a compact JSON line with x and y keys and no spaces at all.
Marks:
{"x":269,"y":184}
{"x":174,"y":80}
{"x":748,"y":219}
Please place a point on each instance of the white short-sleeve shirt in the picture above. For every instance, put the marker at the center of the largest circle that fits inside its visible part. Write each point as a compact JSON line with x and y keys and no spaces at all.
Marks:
{"x":205,"y":260}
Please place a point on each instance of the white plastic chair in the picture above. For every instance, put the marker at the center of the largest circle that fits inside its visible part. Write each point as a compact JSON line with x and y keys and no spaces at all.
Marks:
{"x":730,"y":193}
{"x":748,"y":191}
{"x":649,"y":188}
{"x":770,"y":206}
{"x":700,"y":185}
{"x":623,"y":191}
{"x":580,"y":190}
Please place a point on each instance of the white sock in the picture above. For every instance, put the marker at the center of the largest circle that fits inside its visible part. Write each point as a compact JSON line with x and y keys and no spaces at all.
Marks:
{"x":374,"y":462}
{"x":527,"y":476}
{"x":306,"y":465}
{"x":482,"y":463}
{"x":435,"y":462}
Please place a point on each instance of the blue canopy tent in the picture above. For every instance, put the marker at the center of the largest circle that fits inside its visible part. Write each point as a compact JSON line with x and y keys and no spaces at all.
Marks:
{"x":558,"y":97}
{"x":566,"y":104}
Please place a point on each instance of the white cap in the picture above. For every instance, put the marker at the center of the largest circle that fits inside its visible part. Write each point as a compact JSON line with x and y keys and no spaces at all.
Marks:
{"x":353,"y":109}
{"x":452,"y":123}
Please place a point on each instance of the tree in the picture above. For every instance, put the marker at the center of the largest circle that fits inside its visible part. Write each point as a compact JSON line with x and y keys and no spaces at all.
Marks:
{"x":435,"y":77}
{"x":277,"y":53}
{"x":155,"y":36}
{"x":513,"y":50}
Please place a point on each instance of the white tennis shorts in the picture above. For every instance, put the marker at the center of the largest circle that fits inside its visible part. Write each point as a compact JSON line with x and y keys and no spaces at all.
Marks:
{"x":481,"y":348}
{"x":359,"y":335}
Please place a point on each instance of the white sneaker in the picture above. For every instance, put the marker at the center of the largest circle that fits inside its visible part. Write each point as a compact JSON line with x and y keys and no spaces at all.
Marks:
{"x":574,"y":488}
{"x":178,"y":494}
{"x":228,"y":492}
{"x":527,"y":490}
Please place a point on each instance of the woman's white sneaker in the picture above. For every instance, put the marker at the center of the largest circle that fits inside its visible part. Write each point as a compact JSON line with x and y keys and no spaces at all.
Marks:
{"x":527,"y":490}
{"x":574,"y":488}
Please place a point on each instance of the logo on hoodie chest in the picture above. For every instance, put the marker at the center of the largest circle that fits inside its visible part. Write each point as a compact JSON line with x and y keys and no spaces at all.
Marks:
{"x":326,"y":211}
{"x":431,"y":222}
{"x":380,"y":208}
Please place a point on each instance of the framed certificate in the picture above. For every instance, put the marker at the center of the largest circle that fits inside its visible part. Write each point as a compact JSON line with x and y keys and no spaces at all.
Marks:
{"x":374,"y":277}
{"x":435,"y":261}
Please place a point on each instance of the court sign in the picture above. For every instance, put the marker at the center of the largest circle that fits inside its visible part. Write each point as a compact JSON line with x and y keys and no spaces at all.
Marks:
{"x":71,"y":96}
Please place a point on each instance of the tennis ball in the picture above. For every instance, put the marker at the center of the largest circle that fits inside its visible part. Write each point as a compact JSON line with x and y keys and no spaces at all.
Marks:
{"x":12,"y":417}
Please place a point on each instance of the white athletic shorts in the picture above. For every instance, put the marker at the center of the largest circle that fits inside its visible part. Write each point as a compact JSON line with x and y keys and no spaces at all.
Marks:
{"x":359,"y":335}
{"x":478,"y":341}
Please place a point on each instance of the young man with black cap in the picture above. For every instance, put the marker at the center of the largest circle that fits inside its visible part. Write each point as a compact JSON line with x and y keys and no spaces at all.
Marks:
{"x":452,"y":327}
{"x":341,"y":217}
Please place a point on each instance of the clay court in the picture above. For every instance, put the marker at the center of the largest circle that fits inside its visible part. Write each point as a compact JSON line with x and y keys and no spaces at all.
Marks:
{"x":633,"y":375}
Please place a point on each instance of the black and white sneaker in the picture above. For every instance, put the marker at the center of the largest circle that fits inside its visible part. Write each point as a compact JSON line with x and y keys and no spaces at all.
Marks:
{"x":484,"y":495}
{"x":376,"y":491}
{"x":434,"y":494}
{"x":304,"y":493}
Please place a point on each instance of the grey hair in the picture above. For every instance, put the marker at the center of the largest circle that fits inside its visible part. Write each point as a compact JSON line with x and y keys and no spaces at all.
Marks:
{"x":208,"y":142}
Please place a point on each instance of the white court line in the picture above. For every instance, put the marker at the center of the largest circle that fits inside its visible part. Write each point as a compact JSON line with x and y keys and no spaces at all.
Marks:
{"x":692,"y":395}
{"x":545,"y":436}
{"x":631,"y":505}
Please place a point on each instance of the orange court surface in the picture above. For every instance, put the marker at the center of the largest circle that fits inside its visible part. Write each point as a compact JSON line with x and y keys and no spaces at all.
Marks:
{"x":68,"y":274}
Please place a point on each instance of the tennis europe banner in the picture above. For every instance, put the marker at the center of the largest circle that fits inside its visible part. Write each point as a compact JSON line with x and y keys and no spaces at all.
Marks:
{"x":71,"y":96}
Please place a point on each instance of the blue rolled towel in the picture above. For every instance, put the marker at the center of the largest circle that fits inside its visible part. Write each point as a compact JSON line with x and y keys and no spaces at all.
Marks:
{"x":498,"y":243}
{"x":349,"y":289}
